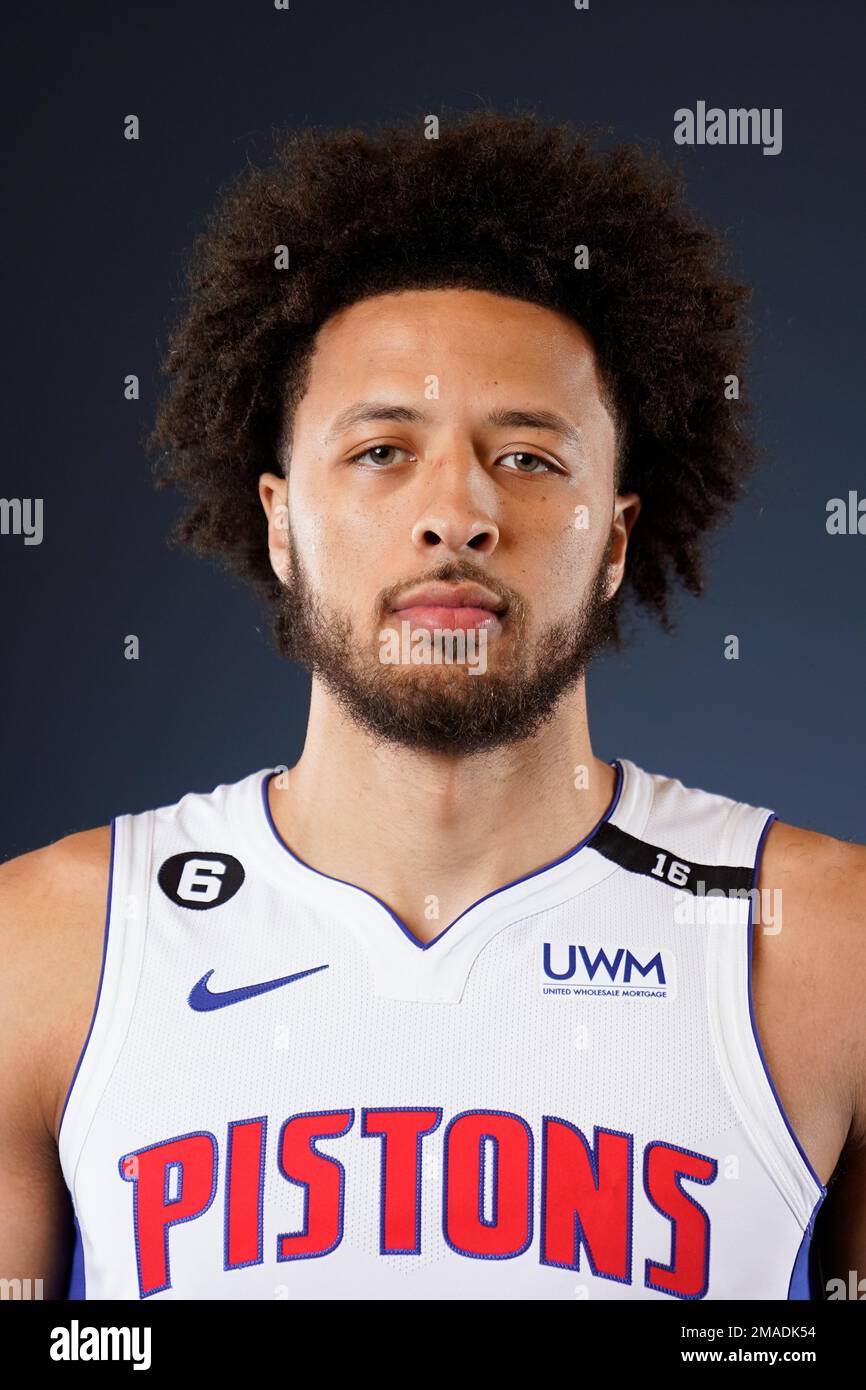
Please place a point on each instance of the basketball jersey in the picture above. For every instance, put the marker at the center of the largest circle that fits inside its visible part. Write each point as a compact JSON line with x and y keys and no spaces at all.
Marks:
{"x":285,"y":1094}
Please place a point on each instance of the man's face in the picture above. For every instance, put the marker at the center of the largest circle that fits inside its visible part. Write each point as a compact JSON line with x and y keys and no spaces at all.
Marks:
{"x":456,"y":439}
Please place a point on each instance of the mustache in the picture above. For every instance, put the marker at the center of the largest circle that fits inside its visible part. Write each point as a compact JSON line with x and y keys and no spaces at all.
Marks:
{"x":453,"y":572}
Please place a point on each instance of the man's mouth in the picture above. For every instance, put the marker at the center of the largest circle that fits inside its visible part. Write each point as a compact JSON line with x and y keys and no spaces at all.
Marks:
{"x":442,"y":606}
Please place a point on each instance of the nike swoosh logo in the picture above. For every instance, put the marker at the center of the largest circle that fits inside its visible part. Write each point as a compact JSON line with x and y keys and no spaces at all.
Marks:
{"x":202,"y":999}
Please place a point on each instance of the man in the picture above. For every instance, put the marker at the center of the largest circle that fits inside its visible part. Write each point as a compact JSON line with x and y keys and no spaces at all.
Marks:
{"x":453,"y":1008}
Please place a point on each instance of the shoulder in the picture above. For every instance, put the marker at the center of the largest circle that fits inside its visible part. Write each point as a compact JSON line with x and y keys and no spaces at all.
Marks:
{"x":80,"y":854}
{"x":814,"y":887}
{"x":44,"y":893}
{"x":52,"y":921}
{"x":816,"y":858}
{"x":822,"y":881}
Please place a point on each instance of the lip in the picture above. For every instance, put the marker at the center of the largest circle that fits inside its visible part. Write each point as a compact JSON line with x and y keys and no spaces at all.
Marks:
{"x":440,"y":619}
{"x":453,"y":596}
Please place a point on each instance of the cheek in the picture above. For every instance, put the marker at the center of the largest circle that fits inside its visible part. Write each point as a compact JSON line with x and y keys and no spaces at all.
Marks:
{"x":311,"y":511}
{"x":309,"y":534}
{"x":340,"y":548}
{"x":568,"y":552}
{"x":587,"y":529}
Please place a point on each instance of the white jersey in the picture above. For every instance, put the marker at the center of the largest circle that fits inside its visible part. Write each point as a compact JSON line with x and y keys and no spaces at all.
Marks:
{"x":284,"y":1094}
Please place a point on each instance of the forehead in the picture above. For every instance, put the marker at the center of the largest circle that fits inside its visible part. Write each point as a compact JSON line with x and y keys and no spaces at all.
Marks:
{"x":466,"y":338}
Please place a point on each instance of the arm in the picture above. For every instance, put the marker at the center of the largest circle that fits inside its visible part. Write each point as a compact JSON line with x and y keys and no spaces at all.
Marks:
{"x":841,"y":1226}
{"x":52,"y":909}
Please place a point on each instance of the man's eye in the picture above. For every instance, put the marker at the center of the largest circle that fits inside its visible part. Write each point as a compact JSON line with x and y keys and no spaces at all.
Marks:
{"x":525,"y":459}
{"x":375,"y":452}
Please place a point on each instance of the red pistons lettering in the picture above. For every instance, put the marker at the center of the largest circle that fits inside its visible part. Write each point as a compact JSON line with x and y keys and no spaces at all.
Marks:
{"x":585,"y":1219}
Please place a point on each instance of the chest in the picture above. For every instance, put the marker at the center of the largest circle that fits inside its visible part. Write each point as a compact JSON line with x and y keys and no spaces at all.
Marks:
{"x":611,"y":1008}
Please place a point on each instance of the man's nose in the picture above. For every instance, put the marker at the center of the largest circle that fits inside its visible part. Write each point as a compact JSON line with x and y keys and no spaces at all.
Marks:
{"x":457,"y":516}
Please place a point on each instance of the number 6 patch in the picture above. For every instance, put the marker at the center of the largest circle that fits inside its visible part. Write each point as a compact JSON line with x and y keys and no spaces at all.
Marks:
{"x":200,"y":879}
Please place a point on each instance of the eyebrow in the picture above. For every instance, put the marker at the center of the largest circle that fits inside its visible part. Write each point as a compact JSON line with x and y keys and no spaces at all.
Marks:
{"x":365,"y":412}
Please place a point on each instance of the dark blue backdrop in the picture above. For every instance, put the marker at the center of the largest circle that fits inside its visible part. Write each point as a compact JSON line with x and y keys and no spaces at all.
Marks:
{"x":93,"y":249}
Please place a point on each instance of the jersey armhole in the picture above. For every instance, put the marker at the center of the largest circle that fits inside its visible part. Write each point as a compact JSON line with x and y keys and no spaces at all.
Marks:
{"x":122,"y":954}
{"x":738,"y":1042}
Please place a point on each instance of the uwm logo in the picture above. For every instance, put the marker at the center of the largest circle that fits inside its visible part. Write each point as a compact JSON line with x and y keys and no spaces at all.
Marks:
{"x":593,"y":968}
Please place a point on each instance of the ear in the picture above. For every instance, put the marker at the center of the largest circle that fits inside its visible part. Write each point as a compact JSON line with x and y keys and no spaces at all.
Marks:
{"x":626,"y":508}
{"x":273,"y":492}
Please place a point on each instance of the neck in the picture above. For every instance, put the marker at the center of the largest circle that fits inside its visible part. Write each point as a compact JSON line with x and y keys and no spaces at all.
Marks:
{"x":418,"y":829}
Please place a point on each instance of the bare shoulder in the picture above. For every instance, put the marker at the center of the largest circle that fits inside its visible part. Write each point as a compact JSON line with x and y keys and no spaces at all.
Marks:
{"x":817,"y":860}
{"x":52,"y":923}
{"x":819,"y":942}
{"x":825,"y":880}
{"x":79,"y":855}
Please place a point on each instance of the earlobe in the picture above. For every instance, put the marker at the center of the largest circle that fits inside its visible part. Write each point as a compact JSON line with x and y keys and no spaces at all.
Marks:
{"x":279,"y":562}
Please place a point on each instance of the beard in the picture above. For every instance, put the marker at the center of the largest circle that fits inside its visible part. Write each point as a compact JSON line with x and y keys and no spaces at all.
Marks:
{"x":445,"y":708}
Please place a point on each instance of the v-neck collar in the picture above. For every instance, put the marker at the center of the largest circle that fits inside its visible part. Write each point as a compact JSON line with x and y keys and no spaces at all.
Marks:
{"x":405,"y":967}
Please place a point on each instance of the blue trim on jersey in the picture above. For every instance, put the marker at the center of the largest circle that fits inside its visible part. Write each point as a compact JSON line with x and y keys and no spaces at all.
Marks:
{"x":803,"y":1154}
{"x":76,"y":1288}
{"x":425,"y":945}
{"x":804,"y":1280}
{"x":803,"y":1283}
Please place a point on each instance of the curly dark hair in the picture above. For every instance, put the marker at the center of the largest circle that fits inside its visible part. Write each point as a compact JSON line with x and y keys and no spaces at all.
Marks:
{"x":497,"y":202}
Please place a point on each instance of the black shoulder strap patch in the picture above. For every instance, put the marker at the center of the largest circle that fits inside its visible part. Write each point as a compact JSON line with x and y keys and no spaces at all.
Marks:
{"x":641,"y":858}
